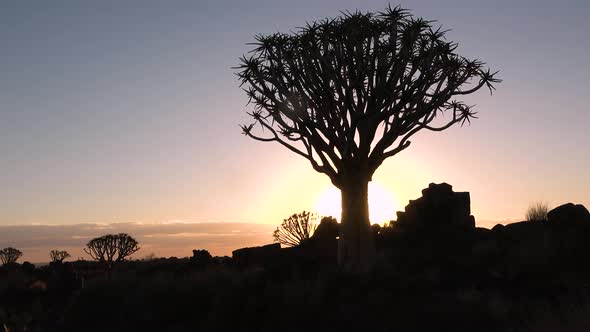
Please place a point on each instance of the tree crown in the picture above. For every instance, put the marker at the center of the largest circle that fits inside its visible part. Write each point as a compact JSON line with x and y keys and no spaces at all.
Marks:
{"x":10,"y":255}
{"x":349,"y":92}
{"x":112,"y":247}
{"x":295,"y":229}
{"x":58,"y":256}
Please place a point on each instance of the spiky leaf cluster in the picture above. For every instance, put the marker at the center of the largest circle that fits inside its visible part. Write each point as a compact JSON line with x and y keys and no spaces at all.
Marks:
{"x":295,"y":229}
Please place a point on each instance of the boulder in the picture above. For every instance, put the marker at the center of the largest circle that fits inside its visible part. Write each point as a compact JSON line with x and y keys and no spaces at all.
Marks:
{"x":257,"y":255}
{"x":569,"y":214}
{"x":322,"y":247}
{"x":485,"y":246}
{"x":529,"y":248}
{"x":328,"y":229}
{"x":559,"y":245}
{"x":498,"y":228}
{"x":570,"y":223}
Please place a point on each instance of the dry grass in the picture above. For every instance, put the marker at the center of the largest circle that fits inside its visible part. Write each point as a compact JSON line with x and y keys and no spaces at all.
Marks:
{"x":537,"y":211}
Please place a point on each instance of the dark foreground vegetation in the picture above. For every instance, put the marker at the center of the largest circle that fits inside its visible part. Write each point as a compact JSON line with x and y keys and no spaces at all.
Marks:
{"x":435,"y":272}
{"x":178,"y":296}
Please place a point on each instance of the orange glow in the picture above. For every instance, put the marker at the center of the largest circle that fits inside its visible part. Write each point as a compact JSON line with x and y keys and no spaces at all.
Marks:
{"x":382,"y":204}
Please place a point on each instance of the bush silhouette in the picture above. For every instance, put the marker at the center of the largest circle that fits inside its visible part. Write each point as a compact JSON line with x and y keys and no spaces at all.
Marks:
{"x":28,"y":267}
{"x":537,"y":211}
{"x":201,"y":257}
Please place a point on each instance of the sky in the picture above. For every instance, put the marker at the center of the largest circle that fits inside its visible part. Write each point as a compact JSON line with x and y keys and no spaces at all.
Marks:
{"x":128,"y":112}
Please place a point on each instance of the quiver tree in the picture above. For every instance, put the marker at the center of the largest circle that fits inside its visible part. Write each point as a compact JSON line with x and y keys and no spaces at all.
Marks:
{"x":58,"y":256}
{"x":112,"y":247}
{"x":10,"y":255}
{"x":295,"y":229}
{"x":349,"y":92}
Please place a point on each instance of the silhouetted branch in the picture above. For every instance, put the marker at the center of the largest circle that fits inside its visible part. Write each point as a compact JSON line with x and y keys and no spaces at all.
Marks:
{"x":341,"y":92}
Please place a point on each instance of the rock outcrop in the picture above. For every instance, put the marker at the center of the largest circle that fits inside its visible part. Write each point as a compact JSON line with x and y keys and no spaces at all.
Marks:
{"x":322,"y":246}
{"x":257,"y":255}
{"x":328,"y":229}
{"x":542,"y":248}
{"x":438,"y":207}
{"x":569,"y":214}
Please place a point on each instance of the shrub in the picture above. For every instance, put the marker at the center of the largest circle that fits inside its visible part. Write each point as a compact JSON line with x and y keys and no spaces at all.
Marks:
{"x":201,"y":257}
{"x":295,"y":229}
{"x":537,"y":211}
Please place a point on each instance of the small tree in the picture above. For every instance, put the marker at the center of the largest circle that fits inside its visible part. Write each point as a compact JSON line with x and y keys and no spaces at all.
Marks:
{"x":58,"y":256}
{"x":112,"y":247}
{"x":295,"y":229}
{"x":537,"y":211}
{"x":10,"y":255}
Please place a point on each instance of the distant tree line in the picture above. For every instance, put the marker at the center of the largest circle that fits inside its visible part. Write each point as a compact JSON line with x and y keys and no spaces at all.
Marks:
{"x":107,"y":249}
{"x":292,"y":232}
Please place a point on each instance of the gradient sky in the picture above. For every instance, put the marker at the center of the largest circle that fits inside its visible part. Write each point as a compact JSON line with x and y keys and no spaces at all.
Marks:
{"x":128,"y":111}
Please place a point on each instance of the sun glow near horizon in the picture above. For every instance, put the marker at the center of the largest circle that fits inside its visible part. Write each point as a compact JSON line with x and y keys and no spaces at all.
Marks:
{"x":382,"y":203}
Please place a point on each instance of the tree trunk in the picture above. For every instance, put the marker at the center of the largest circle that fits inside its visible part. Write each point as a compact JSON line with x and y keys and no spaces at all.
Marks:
{"x":356,"y":250}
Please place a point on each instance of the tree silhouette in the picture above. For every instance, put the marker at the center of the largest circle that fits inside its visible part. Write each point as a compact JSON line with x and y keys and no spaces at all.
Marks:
{"x":295,"y":229}
{"x":9,"y":255}
{"x":349,"y":92}
{"x":58,"y":256}
{"x":111,"y":247}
